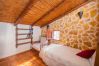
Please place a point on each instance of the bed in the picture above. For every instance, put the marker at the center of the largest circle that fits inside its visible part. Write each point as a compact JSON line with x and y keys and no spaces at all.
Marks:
{"x":59,"y":55}
{"x":40,"y":44}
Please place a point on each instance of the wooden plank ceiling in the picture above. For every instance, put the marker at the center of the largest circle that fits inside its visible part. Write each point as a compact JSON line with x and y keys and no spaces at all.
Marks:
{"x":63,"y":9}
{"x":35,"y":12}
{"x":11,"y":9}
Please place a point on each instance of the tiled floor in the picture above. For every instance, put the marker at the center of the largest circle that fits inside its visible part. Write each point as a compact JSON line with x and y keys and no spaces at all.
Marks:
{"x":28,"y":58}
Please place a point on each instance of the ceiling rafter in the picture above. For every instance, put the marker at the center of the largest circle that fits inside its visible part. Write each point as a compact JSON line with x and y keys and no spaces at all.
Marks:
{"x":37,"y":10}
{"x":22,"y":13}
{"x":48,"y":12}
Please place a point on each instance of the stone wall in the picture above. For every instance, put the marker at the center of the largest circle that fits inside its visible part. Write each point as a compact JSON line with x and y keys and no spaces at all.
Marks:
{"x":78,"y":33}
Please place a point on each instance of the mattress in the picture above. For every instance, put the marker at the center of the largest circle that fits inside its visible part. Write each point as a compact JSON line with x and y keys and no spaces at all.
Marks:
{"x":60,"y":55}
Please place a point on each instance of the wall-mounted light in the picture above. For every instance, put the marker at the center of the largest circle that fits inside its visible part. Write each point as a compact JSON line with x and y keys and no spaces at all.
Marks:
{"x":80,"y":14}
{"x":48,"y":26}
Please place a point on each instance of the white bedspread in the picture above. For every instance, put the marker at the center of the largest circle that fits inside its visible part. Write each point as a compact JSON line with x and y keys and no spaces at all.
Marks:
{"x":59,"y":55}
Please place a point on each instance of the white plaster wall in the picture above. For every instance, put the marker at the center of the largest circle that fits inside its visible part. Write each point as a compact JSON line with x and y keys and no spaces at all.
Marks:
{"x":7,"y":40}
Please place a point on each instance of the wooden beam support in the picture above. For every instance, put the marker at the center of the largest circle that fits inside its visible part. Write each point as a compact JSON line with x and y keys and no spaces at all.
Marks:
{"x":16,"y":36}
{"x":23,"y":38}
{"x":31,"y":1}
{"x":47,"y":13}
{"x":23,"y":29}
{"x":97,"y":56}
{"x":23,"y":34}
{"x":67,"y":12}
{"x":23,"y":43}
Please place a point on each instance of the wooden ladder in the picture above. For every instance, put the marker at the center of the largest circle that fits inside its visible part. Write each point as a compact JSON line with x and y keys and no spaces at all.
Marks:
{"x":29,"y":36}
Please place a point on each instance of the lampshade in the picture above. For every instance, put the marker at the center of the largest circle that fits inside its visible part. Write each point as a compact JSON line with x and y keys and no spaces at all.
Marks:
{"x":49,"y":34}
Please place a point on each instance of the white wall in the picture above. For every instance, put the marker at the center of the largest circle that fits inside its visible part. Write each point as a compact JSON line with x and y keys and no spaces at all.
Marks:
{"x":7,"y":40}
{"x":36,"y":33}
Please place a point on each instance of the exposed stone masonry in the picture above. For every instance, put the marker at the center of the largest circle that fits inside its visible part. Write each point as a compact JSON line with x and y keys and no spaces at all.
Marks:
{"x":78,"y":33}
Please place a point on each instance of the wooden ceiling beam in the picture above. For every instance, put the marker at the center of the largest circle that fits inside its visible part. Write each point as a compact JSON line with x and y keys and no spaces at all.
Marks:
{"x":69,"y":11}
{"x":22,"y":13}
{"x":47,"y":13}
{"x":36,"y":10}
